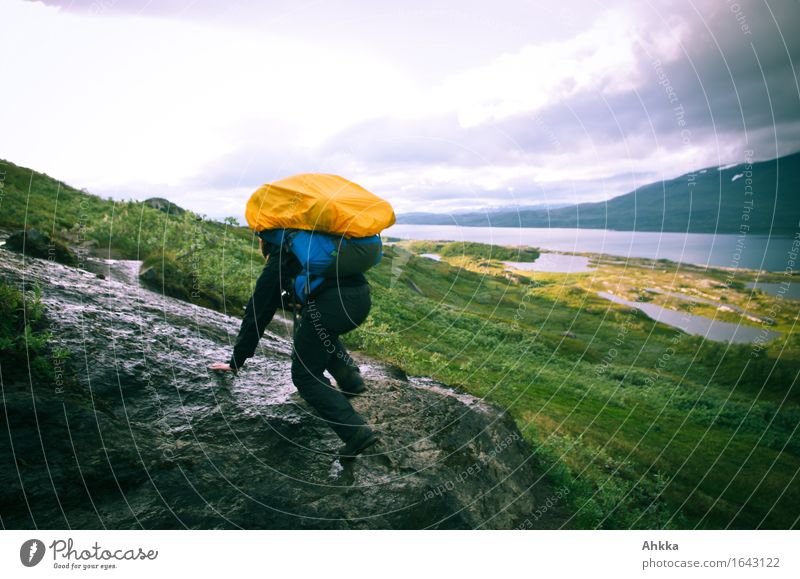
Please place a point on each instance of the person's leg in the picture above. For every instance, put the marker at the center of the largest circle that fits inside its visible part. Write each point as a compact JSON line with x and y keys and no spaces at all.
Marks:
{"x":341,"y":357}
{"x":352,"y":305}
{"x":323,"y":319}
{"x":345,"y":370}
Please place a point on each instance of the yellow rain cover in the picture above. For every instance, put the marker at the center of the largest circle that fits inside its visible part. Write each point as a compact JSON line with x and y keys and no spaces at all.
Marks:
{"x":318,"y":202}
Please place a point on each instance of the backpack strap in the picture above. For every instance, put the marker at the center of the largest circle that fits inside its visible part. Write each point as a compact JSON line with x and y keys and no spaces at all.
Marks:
{"x":281,"y":240}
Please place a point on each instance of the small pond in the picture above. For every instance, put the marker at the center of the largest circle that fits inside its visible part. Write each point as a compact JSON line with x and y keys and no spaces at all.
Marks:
{"x":554,"y":263}
{"x":789,"y":291}
{"x":698,"y":325}
{"x":721,"y":306}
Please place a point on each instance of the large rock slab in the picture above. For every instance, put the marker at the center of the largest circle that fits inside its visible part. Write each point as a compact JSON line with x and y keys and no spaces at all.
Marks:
{"x":149,"y":439}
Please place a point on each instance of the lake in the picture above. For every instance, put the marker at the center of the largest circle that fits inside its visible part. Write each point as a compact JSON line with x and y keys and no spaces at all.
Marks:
{"x":757,"y":251}
{"x":710,"y":329}
{"x":554,"y":263}
{"x":546,"y":262}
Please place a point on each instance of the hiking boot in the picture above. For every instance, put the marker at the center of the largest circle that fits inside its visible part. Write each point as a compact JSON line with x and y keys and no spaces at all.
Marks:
{"x":362,"y":439}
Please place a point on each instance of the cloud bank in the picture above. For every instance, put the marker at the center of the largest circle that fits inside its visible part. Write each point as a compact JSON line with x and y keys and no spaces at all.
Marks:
{"x":463,"y":106}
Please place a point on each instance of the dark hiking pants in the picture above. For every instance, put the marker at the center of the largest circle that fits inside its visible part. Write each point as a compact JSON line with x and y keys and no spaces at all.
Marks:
{"x":317,"y":347}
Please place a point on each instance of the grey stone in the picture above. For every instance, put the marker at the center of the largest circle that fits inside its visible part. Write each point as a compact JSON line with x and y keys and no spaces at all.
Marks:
{"x":146,"y":437}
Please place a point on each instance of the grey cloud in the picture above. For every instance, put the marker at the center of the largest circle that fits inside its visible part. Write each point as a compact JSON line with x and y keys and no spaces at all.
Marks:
{"x":262,"y":152}
{"x":717,"y":79}
{"x":717,"y":104}
{"x":422,"y":141}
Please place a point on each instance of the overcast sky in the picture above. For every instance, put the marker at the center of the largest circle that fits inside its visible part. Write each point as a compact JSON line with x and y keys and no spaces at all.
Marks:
{"x":436,"y":106}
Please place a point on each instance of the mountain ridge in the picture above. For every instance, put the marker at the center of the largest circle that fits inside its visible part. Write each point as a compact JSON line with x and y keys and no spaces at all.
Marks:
{"x":708,"y":200}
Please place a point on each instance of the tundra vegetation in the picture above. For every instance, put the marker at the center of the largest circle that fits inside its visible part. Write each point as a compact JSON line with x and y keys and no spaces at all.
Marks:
{"x":644,"y":426}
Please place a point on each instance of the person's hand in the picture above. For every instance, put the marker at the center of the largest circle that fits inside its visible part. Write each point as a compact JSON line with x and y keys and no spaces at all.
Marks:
{"x":221,"y":367}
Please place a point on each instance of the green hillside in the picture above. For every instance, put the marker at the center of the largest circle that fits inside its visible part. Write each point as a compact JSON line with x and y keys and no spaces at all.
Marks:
{"x":707,"y":201}
{"x":183,"y":248}
{"x":647,"y":425}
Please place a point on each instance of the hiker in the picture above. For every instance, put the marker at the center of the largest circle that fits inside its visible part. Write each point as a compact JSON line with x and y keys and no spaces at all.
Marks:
{"x":319,"y":233}
{"x":335,"y":307}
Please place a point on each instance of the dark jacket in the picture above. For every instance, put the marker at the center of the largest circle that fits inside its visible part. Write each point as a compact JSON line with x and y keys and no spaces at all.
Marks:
{"x":278,"y":275}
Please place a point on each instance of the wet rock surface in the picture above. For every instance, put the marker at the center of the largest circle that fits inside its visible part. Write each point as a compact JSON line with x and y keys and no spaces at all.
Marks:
{"x":33,"y":242}
{"x":138,"y":434}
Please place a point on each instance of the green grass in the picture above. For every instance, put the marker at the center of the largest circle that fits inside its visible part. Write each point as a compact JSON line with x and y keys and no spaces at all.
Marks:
{"x":646,"y":426}
{"x":209,"y":263}
{"x":476,"y":250}
{"x":634,"y":435}
{"x":24,"y":337}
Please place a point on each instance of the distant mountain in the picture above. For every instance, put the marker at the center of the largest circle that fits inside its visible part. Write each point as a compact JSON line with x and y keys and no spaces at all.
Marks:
{"x":455,"y":217}
{"x":714,"y":199}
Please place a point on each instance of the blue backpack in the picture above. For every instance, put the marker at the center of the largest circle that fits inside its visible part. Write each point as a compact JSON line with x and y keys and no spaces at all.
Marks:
{"x":324,"y":255}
